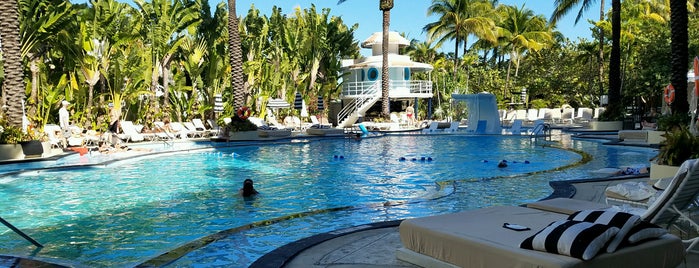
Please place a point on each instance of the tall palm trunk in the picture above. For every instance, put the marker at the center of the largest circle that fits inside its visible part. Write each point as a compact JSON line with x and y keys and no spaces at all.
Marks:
{"x":13,"y":85}
{"x":680,"y":55}
{"x":615,"y":105}
{"x":600,"y":59}
{"x":385,"y":6}
{"x":235,"y":55}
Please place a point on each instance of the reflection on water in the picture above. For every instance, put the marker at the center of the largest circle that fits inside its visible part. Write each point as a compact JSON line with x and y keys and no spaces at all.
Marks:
{"x":127,"y":213}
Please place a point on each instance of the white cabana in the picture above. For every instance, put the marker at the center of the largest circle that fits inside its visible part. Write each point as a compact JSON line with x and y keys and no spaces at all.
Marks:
{"x":481,"y":106}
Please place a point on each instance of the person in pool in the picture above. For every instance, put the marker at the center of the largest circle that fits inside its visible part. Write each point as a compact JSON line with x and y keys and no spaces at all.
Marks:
{"x":248,"y":189}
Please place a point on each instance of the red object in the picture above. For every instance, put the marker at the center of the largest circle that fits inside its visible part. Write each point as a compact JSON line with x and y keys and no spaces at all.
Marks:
{"x":81,"y":150}
{"x":669,"y":94}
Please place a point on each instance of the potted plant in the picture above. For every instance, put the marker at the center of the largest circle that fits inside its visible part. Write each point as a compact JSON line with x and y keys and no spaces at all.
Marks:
{"x":611,"y":119}
{"x":679,"y":145}
{"x":241,"y":129}
{"x":10,"y":139}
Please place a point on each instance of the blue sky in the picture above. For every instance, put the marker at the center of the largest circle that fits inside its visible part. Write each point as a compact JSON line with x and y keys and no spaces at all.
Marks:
{"x":408,"y":16}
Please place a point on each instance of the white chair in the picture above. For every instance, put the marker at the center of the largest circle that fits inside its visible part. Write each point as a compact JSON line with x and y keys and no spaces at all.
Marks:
{"x":532,"y":114}
{"x":598,"y":111}
{"x":434,"y":125}
{"x":556,"y":116}
{"x":453,"y":127}
{"x":129,"y":132}
{"x":567,"y":115}
{"x":193,"y":131}
{"x":201,"y":127}
{"x":51,"y":131}
{"x":516,"y":128}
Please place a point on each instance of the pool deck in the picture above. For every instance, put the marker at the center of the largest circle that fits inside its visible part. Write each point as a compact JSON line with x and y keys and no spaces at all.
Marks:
{"x":375,"y":245}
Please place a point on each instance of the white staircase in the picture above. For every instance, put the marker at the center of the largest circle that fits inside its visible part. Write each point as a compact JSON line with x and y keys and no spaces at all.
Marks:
{"x":350,"y":113}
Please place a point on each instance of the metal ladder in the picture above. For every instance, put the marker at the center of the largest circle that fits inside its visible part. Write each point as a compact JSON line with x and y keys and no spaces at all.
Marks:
{"x":544,"y":129}
{"x":20,"y":233}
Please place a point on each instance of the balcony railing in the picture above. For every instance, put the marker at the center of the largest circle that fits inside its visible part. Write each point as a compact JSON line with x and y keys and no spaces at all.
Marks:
{"x":396,"y":87}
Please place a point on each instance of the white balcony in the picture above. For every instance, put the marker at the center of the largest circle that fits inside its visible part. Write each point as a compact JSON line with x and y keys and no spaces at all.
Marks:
{"x":397,"y":89}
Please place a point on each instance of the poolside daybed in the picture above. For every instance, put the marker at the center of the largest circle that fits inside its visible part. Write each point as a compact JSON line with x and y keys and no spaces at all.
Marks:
{"x":476,"y":238}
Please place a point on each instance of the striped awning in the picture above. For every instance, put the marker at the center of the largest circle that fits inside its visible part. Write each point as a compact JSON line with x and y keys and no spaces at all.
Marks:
{"x":277,"y":103}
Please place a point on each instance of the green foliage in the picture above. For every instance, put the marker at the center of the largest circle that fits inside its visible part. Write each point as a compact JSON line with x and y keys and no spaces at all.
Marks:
{"x":678,"y":146}
{"x":612,"y":113}
{"x":237,"y":124}
{"x":10,"y":134}
{"x":672,"y":121}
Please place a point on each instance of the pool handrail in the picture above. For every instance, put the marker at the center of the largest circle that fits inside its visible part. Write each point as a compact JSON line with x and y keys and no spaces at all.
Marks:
{"x":20,"y":233}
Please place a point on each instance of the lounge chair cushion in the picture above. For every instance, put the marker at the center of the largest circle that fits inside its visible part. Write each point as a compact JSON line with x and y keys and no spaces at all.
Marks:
{"x":643,"y":231}
{"x":577,"y":239}
{"x":623,"y":221}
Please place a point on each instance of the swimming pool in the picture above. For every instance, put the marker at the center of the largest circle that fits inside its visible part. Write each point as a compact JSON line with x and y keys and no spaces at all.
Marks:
{"x":128,"y":212}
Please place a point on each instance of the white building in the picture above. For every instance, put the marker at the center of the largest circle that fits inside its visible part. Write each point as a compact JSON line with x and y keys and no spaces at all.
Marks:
{"x":361,"y":87}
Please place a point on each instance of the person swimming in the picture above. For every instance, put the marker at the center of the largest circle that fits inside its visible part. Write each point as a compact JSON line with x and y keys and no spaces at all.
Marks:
{"x":502,"y":164}
{"x":248,"y":189}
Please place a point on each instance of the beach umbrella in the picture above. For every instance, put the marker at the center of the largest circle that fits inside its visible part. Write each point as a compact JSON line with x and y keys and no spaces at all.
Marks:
{"x":277,"y":103}
{"x":298,"y":101}
{"x":321,"y":105}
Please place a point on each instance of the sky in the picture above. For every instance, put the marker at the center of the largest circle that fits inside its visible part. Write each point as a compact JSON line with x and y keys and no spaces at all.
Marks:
{"x":408,"y":16}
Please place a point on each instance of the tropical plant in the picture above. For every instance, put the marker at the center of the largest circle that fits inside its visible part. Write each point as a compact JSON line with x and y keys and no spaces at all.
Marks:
{"x":166,"y":22}
{"x":10,"y":134}
{"x":615,"y":110}
{"x":238,"y":124}
{"x":458,"y":20}
{"x":679,"y":145}
{"x":562,"y":7}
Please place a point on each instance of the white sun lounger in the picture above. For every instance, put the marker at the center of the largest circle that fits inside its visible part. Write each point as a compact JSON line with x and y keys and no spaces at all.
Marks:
{"x":476,"y":238}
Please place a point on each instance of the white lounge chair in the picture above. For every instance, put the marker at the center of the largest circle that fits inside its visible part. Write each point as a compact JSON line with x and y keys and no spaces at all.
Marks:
{"x":598,"y":111}
{"x":199,"y":125}
{"x":193,"y":131}
{"x":556,"y":116}
{"x":129,"y":132}
{"x":51,"y":131}
{"x":453,"y":127}
{"x":476,"y":238}
{"x":434,"y":125}
{"x":179,"y":130}
{"x":568,"y":115}
{"x":669,"y":209}
{"x":516,"y":128}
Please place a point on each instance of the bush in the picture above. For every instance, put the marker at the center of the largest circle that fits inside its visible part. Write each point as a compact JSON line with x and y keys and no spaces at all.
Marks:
{"x":11,"y":134}
{"x":679,"y":145}
{"x":237,"y":124}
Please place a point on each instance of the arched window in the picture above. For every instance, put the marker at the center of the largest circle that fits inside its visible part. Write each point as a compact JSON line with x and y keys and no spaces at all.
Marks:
{"x":373,"y":74}
{"x":406,"y":73}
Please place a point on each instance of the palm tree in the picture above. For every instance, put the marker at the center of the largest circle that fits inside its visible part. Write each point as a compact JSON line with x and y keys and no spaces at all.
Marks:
{"x":385,"y":6}
{"x":523,"y":31}
{"x":615,"y":108}
{"x":13,"y":84}
{"x":235,"y":55}
{"x":563,"y":6}
{"x":458,"y":20}
{"x":166,"y":22}
{"x":680,"y":54}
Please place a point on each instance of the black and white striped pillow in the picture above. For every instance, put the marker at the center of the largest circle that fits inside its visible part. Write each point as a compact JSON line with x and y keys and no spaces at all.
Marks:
{"x":623,"y":221}
{"x":577,"y":239}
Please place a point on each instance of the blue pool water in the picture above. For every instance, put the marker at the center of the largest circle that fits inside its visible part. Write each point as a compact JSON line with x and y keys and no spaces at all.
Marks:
{"x":128,"y":212}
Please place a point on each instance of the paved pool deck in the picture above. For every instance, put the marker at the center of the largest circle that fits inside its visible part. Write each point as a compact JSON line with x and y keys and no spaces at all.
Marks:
{"x":375,"y":245}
